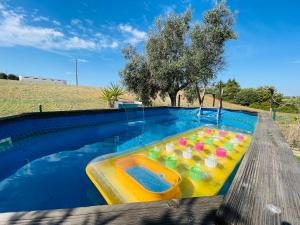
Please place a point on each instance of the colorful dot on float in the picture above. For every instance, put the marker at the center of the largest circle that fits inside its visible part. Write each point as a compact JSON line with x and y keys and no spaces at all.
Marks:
{"x":223,"y":133}
{"x":183,"y":141}
{"x":228,"y":146}
{"x":171,"y":162}
{"x":211,"y":161}
{"x":193,"y":138}
{"x":240,"y":136}
{"x":209,"y":141}
{"x":199,"y":147}
{"x":196,"y":173}
{"x":221,"y":152}
{"x":208,"y":130}
{"x":187,"y":154}
{"x":169,"y":147}
{"x":153,"y":153}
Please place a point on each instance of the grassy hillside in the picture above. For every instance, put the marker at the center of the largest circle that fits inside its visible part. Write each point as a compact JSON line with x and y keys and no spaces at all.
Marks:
{"x":18,"y":97}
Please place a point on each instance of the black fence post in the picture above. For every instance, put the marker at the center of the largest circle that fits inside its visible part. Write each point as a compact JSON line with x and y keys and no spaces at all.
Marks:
{"x":274,"y":114}
{"x":40,"y":108}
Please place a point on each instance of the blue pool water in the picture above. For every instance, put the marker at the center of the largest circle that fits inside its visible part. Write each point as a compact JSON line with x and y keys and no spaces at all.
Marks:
{"x":149,"y":180}
{"x":45,"y":167}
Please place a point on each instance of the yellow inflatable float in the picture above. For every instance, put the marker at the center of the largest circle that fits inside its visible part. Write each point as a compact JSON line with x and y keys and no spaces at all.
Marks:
{"x":192,"y":164}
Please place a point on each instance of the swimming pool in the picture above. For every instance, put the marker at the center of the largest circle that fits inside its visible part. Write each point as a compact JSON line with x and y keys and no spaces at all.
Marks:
{"x":45,"y":166}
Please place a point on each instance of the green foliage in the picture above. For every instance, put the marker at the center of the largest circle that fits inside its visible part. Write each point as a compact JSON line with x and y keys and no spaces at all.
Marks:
{"x":167,"y":49}
{"x":217,"y":87}
{"x":179,"y":55}
{"x":208,"y":42}
{"x":247,"y":96}
{"x":259,"y":98}
{"x":137,"y":77}
{"x":12,"y":77}
{"x":284,"y":106}
{"x":207,"y":48}
{"x":3,"y":76}
{"x":293,"y":101}
{"x":263,"y":105}
{"x":231,"y":89}
{"x":190,"y":93}
{"x":111,"y":94}
{"x":289,"y":108}
{"x":9,"y":76}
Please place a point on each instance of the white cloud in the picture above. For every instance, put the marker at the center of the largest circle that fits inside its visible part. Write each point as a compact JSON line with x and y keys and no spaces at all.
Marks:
{"x":56,"y":23}
{"x":89,"y":22}
{"x":135,"y":36}
{"x":76,"y":42}
{"x":75,"y":21}
{"x":82,"y":60}
{"x":40,"y":18}
{"x":113,"y":44}
{"x":14,"y":31}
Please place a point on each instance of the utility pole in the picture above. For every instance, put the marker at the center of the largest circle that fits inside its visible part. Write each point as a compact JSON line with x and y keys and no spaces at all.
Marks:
{"x":76,"y":62}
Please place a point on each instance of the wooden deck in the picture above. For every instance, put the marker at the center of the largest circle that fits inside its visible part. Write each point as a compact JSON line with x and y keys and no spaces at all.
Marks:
{"x":268,"y":178}
{"x":265,"y":190}
{"x":183,"y":211}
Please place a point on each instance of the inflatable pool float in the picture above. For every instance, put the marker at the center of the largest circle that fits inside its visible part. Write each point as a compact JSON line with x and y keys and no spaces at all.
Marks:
{"x":147,"y":179}
{"x":192,"y":164}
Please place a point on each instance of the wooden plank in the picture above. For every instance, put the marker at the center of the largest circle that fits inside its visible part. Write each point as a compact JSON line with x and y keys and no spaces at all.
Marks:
{"x":268,"y":178}
{"x":181,"y":211}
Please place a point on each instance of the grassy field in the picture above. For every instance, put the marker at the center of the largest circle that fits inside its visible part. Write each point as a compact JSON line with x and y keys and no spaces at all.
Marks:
{"x":18,"y":97}
{"x":289,"y":124}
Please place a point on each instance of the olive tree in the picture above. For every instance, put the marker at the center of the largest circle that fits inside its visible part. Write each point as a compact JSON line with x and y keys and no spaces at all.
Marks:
{"x":179,"y":55}
{"x":137,"y":77}
{"x":207,"y":46}
{"x":167,"y":53}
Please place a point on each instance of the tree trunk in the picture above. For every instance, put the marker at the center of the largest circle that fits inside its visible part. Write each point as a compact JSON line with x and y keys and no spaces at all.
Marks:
{"x":221,"y":102}
{"x":214,"y":99}
{"x":221,"y":98}
{"x":202,"y":100}
{"x":173,"y":98}
{"x":198,"y":95}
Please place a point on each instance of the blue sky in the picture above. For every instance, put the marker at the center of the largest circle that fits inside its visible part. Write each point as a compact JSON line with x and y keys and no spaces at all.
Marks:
{"x":44,"y":37}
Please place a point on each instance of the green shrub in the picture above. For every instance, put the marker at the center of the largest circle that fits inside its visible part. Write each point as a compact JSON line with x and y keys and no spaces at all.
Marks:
{"x":258,"y":97}
{"x":3,"y":76}
{"x":111,"y":94}
{"x":12,"y":77}
{"x":263,"y":106}
{"x":231,"y":89}
{"x":247,"y":96}
{"x":289,"y":108}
